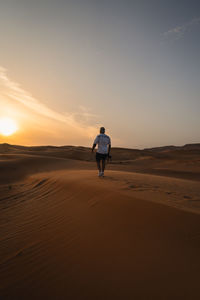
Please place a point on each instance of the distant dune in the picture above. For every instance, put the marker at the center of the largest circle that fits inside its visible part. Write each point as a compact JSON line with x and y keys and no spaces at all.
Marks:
{"x":180,"y":162}
{"x":67,"y":234}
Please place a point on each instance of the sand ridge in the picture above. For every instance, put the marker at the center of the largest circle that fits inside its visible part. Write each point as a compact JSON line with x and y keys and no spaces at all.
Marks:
{"x":67,"y":234}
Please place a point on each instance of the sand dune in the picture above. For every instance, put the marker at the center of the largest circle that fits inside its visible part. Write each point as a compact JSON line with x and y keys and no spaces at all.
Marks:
{"x":66,"y":234}
{"x":181,"y":162}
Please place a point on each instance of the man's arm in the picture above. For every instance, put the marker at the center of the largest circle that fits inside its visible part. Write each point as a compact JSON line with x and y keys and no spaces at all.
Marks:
{"x":109,"y":147}
{"x":93,"y":147}
{"x":95,"y":143}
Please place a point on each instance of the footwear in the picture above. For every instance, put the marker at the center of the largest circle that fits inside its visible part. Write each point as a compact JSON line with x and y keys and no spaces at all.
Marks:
{"x":100,"y":174}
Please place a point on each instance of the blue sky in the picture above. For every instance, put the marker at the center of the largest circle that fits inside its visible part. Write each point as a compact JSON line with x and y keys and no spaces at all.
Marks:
{"x":132,"y":66}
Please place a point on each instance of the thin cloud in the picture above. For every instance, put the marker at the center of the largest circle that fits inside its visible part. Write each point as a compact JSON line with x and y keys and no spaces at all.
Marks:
{"x":179,"y":31}
{"x":13,"y":91}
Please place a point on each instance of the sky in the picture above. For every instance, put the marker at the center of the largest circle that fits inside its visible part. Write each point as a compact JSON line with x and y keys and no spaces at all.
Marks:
{"x":69,"y":67}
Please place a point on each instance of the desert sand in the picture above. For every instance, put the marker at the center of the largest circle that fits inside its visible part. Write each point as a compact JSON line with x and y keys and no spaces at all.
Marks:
{"x":67,"y":234}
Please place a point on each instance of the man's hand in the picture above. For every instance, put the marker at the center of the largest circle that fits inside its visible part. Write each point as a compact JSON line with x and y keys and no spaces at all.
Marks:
{"x":94,"y":145}
{"x":109,"y":157}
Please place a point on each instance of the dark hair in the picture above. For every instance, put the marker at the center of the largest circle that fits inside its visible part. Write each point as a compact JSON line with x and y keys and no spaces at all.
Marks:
{"x":102,"y":130}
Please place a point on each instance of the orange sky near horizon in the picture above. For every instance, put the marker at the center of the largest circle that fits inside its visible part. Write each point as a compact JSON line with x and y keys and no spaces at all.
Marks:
{"x":37,"y":123}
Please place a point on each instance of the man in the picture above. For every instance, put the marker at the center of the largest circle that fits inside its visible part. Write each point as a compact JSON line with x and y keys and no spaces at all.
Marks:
{"x":103,"y":152}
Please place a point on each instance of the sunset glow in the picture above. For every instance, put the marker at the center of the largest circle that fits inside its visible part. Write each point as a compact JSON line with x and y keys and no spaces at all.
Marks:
{"x":7,"y":126}
{"x":130,"y":66}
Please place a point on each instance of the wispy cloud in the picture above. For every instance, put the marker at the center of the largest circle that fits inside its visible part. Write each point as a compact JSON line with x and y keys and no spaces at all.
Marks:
{"x":82,"y":120}
{"x":179,"y":31}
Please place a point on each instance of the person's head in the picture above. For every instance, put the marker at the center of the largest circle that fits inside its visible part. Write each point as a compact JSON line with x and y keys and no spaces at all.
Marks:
{"x":102,"y":130}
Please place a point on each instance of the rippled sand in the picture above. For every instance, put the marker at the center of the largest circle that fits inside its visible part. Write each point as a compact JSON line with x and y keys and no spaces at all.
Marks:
{"x":67,"y":234}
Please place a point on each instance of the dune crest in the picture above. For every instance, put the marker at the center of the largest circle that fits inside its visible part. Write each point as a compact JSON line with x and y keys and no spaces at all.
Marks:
{"x":67,"y":234}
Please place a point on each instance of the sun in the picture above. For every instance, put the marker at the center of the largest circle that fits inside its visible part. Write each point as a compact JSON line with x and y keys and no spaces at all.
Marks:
{"x":7,"y":126}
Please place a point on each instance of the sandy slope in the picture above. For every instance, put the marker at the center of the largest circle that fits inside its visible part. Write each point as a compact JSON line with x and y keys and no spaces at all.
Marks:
{"x":67,"y":234}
